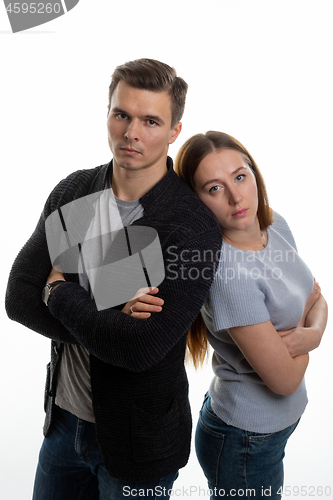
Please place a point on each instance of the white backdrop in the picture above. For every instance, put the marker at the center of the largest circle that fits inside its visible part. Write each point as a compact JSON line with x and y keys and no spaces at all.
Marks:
{"x":260,"y":70}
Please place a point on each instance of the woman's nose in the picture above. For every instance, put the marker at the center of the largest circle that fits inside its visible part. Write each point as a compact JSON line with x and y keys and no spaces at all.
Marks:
{"x":235,"y":197}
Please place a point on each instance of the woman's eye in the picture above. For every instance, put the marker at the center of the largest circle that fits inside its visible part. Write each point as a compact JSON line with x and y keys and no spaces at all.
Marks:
{"x":214,"y":189}
{"x":240,"y":177}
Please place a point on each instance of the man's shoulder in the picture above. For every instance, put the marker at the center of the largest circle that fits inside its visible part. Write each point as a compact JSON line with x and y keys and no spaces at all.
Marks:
{"x":182,"y":220}
{"x":189,"y":207}
{"x":85,"y":177}
{"x":78,"y":184}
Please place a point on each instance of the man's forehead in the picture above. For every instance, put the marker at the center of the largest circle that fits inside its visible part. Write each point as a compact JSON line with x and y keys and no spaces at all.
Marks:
{"x":126,"y":96}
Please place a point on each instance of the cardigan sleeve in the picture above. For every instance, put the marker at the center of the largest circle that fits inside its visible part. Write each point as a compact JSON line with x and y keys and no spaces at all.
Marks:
{"x":136,"y":344}
{"x":27,"y":279}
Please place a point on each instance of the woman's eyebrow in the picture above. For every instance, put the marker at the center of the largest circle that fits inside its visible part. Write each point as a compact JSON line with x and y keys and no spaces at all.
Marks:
{"x":238,"y":169}
{"x":219,"y":180}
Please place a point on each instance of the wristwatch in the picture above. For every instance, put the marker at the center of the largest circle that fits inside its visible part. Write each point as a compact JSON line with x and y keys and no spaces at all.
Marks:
{"x":48,"y":290}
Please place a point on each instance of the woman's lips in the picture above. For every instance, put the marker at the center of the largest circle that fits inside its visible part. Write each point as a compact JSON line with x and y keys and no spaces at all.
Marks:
{"x":240,"y":213}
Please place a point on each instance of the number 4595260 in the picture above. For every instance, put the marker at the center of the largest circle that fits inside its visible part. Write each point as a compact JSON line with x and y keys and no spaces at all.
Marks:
{"x":33,"y":8}
{"x":305,"y":491}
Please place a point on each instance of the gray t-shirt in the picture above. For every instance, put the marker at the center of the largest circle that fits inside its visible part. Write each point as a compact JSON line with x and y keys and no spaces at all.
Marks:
{"x":73,"y":383}
{"x":250,"y":288}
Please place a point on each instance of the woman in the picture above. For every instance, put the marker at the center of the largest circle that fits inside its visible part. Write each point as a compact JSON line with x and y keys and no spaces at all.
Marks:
{"x":263,"y":302}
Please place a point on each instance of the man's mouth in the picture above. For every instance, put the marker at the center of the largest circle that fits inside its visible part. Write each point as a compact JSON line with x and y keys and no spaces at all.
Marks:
{"x":130,"y":151}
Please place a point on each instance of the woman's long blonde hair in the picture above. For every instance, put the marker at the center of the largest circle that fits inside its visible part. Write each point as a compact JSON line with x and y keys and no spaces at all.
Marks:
{"x":188,"y":159}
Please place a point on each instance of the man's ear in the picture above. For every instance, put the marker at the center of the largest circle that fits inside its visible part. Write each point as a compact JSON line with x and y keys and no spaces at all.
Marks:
{"x":175,"y":131}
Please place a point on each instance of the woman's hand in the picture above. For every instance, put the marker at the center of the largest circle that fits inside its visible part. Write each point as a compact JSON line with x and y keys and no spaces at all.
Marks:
{"x":307,"y":335}
{"x":143,"y":303}
{"x":300,"y":340}
{"x":262,"y":347}
{"x":312,"y":299}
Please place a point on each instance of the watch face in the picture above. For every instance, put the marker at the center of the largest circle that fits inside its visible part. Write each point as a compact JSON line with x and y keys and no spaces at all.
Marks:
{"x":46,"y":294}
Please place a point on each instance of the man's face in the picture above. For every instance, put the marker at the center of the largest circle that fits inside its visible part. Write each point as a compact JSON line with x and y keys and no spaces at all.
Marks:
{"x":139,"y":127}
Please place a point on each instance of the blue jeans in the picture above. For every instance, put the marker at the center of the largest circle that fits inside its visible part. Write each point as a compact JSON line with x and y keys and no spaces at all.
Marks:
{"x":238,"y":463}
{"x":70,"y":467}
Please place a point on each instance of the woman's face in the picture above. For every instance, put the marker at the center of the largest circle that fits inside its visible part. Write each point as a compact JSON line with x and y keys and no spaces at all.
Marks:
{"x":227,"y":185}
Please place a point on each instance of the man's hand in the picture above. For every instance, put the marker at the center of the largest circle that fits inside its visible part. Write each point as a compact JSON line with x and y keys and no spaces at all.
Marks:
{"x":143,"y":303}
{"x":55,"y":275}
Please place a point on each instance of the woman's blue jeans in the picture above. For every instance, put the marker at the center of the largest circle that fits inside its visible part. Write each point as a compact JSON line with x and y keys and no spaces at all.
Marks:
{"x":70,"y":467}
{"x":238,"y":463}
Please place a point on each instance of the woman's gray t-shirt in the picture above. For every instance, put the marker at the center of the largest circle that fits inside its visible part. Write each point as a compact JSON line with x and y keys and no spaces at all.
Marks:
{"x":250,"y":288}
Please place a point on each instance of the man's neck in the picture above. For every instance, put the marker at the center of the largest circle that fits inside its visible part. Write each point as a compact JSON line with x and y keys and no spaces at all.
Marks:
{"x":131,"y":185}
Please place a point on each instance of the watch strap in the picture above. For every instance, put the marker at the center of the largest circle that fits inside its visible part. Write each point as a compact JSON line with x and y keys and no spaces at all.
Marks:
{"x":54,"y":283}
{"x":47,"y":291}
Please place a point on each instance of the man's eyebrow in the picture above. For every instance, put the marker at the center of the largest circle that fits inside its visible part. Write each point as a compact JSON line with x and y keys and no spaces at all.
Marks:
{"x":118,"y":110}
{"x":232,"y":173}
{"x":155,"y":118}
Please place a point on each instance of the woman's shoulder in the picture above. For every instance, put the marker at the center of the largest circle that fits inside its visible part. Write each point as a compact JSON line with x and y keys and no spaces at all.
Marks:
{"x":279,"y":221}
{"x":237,"y":295}
{"x":281,"y":227}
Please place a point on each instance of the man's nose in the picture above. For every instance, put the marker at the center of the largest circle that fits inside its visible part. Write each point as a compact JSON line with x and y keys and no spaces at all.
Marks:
{"x":133,"y":131}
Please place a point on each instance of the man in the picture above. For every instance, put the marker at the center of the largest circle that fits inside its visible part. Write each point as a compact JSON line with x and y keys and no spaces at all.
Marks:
{"x":118,"y":422}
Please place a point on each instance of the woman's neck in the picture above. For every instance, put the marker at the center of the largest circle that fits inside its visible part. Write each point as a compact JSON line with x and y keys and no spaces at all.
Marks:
{"x":251,"y":238}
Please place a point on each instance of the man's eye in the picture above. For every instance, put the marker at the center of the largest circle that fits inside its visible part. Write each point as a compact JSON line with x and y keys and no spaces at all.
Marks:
{"x":151,"y":122}
{"x":121,"y":116}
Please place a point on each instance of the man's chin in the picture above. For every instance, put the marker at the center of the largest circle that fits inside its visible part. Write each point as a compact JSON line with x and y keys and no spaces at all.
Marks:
{"x":127,"y":164}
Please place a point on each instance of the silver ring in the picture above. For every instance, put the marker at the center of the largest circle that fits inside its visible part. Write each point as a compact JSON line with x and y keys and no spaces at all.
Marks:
{"x":316,"y":289}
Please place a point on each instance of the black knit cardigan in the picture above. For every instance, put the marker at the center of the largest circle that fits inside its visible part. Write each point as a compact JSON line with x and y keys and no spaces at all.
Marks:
{"x":139,"y":382}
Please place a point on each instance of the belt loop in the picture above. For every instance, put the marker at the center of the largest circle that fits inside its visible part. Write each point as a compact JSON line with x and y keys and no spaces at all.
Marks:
{"x":204,"y":401}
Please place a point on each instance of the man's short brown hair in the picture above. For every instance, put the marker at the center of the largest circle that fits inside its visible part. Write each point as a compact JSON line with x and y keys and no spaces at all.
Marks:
{"x":149,"y":74}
